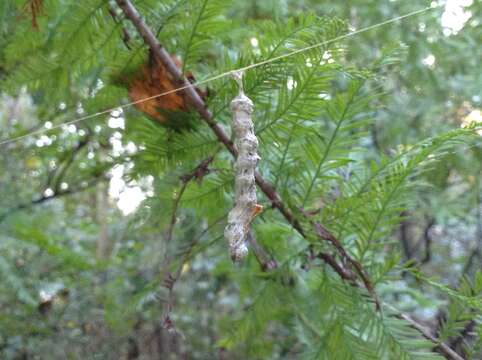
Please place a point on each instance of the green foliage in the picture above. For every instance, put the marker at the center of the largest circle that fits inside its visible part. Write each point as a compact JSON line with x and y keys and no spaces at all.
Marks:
{"x":344,"y":137}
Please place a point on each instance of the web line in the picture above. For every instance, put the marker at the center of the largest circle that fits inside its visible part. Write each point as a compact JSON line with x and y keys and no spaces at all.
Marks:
{"x":219,"y":76}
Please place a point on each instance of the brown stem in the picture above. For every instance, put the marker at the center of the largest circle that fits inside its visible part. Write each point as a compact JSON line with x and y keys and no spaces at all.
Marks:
{"x":323,"y":233}
{"x":198,"y":173}
{"x":125,"y":34}
{"x":441,"y":347}
{"x":262,"y":257}
{"x":265,"y":261}
{"x":55,"y":195}
{"x":404,"y":235}
{"x":198,"y":104}
{"x":169,"y":280}
{"x":428,"y":241}
{"x":345,"y":275}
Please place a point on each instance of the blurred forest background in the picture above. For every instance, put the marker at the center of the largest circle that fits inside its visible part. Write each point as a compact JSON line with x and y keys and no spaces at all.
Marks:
{"x":111,"y":228}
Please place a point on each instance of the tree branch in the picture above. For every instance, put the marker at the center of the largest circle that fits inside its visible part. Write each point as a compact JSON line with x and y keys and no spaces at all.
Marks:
{"x":198,"y":173}
{"x":125,"y":34}
{"x":198,"y":104}
{"x":262,"y":257}
{"x":45,"y":198}
{"x":266,"y":262}
{"x":441,"y":347}
{"x":58,"y":176}
{"x":428,"y":241}
{"x":323,"y":233}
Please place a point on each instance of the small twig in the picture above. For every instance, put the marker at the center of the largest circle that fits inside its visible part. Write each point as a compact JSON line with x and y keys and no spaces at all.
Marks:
{"x":126,"y":38}
{"x":266,"y":262}
{"x":45,"y":198}
{"x":170,"y":279}
{"x":428,"y":241}
{"x":441,"y":347}
{"x":404,"y":235}
{"x":323,"y":233}
{"x":177,"y":200}
{"x":344,"y":274}
{"x":198,"y":173}
{"x":200,"y":106}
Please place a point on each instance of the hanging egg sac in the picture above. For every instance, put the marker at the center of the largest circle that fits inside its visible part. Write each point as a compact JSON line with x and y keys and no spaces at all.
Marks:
{"x":172,"y":109}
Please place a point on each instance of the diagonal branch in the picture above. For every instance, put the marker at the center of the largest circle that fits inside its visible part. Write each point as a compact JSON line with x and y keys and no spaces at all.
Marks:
{"x":198,"y":173}
{"x":426,"y":333}
{"x":170,"y":279}
{"x":125,"y":34}
{"x":198,"y":104}
{"x":324,"y":234}
{"x":55,"y":195}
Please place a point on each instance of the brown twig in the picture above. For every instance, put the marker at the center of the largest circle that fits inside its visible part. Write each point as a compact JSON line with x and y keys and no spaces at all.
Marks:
{"x":199,"y":105}
{"x":428,"y":241}
{"x":169,"y":281}
{"x":55,"y":195}
{"x":126,"y":38}
{"x":266,"y":262}
{"x":323,"y":233}
{"x":345,"y":275}
{"x":441,"y":347}
{"x":404,"y":235}
{"x":198,"y":173}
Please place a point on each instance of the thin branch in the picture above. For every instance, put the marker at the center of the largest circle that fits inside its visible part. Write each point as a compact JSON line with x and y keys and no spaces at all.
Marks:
{"x":45,"y":198}
{"x":169,"y":280}
{"x":62,"y":168}
{"x":404,"y":235}
{"x":441,"y":347}
{"x":198,"y":173}
{"x":199,"y":105}
{"x":467,"y":332}
{"x":428,"y":241}
{"x":266,"y":262}
{"x":126,"y":38}
{"x":324,"y":234}
{"x":344,"y":274}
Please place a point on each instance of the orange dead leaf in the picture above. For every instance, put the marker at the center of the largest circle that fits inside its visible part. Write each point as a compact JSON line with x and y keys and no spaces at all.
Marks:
{"x":153,"y":79}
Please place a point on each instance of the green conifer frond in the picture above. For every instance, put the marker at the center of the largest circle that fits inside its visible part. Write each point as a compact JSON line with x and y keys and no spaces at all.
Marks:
{"x":312,"y":113}
{"x":204,"y":25}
